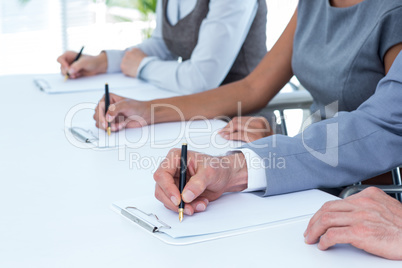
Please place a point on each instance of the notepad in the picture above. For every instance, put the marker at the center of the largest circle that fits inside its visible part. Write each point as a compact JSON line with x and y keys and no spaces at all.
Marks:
{"x":232,"y":214}
{"x":157,"y":134}
{"x":55,"y":83}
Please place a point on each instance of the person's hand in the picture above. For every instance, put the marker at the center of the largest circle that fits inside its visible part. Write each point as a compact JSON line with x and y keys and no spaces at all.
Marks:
{"x":370,"y":220}
{"x":208,"y":178}
{"x":85,"y":66}
{"x":246,"y":128}
{"x":123,"y":113}
{"x":131,"y":61}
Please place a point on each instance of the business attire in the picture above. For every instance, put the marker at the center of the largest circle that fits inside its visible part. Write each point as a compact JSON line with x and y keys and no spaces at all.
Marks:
{"x":217,"y":41}
{"x":348,"y":148}
{"x":338,"y":56}
{"x":338,"y":53}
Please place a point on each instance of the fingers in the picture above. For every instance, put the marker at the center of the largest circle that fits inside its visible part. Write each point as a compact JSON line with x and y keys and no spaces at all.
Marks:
{"x":65,"y":60}
{"x":198,"y":205}
{"x":165,"y":177}
{"x":246,"y":129}
{"x":163,"y":198}
{"x":331,"y":206}
{"x":76,"y":68}
{"x":337,"y":235}
{"x":122,"y":115}
{"x":328,"y":221}
{"x":99,"y":115}
{"x":232,"y":126}
{"x":243,"y":136}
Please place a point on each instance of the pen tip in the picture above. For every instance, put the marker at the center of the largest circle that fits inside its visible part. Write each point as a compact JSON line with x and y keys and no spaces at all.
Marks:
{"x":109,"y":131}
{"x":181,"y":214}
{"x":65,"y":77}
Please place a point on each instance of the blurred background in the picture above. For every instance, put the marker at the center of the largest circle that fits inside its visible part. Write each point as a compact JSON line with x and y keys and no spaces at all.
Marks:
{"x":33,"y":33}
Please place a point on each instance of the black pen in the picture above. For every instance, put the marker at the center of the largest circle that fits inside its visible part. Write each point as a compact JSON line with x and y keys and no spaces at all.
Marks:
{"x":107,"y":103}
{"x":183,"y":177}
{"x":76,"y":58}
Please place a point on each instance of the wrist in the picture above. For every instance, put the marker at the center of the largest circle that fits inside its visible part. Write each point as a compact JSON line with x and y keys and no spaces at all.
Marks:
{"x":163,"y":112}
{"x":101,"y":62}
{"x":237,"y":172}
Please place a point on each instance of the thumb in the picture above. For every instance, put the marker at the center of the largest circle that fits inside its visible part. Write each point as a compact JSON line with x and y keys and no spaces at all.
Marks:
{"x":115,"y":109}
{"x":194,"y":188}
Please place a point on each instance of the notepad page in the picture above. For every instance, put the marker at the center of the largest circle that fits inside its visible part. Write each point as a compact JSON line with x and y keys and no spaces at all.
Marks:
{"x":55,"y":83}
{"x":234,"y":211}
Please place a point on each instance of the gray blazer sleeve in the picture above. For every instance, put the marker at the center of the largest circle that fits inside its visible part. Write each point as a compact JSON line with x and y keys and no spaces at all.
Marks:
{"x":351,"y":147}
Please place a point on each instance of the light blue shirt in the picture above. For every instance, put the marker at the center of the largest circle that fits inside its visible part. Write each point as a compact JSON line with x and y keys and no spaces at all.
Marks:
{"x":222,"y":34}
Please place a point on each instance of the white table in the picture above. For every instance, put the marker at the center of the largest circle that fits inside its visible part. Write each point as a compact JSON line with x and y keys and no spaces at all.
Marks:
{"x":55,"y":198}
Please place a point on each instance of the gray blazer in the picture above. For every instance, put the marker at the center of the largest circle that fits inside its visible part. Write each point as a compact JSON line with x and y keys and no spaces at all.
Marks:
{"x":351,"y":147}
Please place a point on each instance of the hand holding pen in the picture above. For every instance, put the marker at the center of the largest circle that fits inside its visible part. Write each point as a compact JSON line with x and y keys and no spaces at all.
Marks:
{"x":85,"y":65}
{"x":75,"y":59}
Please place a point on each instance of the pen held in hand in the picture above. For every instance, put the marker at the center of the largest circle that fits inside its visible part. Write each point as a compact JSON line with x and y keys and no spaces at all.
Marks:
{"x":183,"y":178}
{"x":107,"y":103}
{"x":76,"y":58}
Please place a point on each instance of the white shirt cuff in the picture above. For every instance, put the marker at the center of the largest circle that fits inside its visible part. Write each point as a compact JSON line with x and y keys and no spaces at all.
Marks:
{"x":257,"y":178}
{"x":114,"y":58}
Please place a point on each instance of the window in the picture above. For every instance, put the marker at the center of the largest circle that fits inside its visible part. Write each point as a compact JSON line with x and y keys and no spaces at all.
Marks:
{"x":33,"y":33}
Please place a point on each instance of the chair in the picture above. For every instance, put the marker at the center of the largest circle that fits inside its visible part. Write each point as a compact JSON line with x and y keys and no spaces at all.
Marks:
{"x":395,"y":189}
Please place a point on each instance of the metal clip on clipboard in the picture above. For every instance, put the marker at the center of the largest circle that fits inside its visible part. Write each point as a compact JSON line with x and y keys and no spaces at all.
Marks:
{"x":42,"y":84}
{"x":143,"y":223}
{"x":84,"y":135}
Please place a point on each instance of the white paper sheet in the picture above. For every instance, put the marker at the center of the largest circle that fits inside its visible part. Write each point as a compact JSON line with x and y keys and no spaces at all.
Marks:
{"x":54,"y":83}
{"x":232,"y":212}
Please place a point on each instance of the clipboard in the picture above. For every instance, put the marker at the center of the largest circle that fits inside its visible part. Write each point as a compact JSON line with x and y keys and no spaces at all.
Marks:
{"x":162,"y":134}
{"x":232,"y":214}
{"x":55,"y":83}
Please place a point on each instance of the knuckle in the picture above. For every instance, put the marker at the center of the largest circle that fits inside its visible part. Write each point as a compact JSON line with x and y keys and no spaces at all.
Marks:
{"x":326,"y":219}
{"x":327,"y":206}
{"x":199,"y":184}
{"x":373,"y":190}
{"x":157,"y":175}
{"x":330,"y":235}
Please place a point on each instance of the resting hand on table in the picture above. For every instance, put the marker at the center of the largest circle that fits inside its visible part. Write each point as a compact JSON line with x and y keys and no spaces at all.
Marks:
{"x":131,"y":61}
{"x":85,"y":66}
{"x":208,"y":177}
{"x":246,"y":128}
{"x":370,"y":220}
{"x":123,"y":113}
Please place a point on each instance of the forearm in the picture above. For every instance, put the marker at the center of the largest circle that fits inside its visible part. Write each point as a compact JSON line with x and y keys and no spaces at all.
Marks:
{"x":222,"y":101}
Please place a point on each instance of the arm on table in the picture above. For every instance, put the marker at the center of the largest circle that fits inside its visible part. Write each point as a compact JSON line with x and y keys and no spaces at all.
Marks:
{"x":253,"y":92}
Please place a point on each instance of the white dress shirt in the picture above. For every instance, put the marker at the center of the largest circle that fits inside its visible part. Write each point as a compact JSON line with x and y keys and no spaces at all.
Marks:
{"x":257,"y":180}
{"x":222,"y":34}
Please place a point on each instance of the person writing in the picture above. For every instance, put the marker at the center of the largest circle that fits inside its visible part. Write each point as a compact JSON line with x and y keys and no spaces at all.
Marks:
{"x":333,"y":56}
{"x":217,"y":42}
{"x":368,"y":143}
